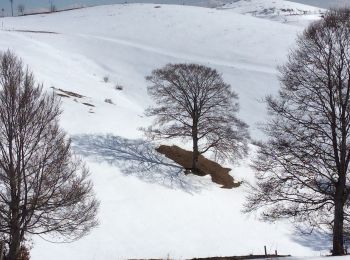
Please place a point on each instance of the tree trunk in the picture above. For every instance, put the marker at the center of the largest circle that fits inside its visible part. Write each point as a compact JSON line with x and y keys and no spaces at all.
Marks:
{"x":195,"y":154}
{"x":15,"y":228}
{"x":338,"y":239}
{"x":1,"y":250}
{"x":338,"y":228}
{"x":15,"y":243}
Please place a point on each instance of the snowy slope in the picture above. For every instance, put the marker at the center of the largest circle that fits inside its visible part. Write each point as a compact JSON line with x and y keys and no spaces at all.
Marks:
{"x":141,"y":217}
{"x":276,"y":10}
{"x":128,"y":42}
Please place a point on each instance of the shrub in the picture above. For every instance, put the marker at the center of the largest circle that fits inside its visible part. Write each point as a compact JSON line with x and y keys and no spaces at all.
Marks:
{"x":118,"y":87}
{"x":109,"y":101}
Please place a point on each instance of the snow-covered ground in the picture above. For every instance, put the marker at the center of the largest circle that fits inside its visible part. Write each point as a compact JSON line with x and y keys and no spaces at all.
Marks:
{"x":151,"y":214}
{"x":276,"y":10}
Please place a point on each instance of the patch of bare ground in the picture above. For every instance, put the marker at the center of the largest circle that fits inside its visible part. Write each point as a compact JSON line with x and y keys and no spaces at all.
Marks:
{"x":219,"y":174}
{"x":67,"y":93}
{"x":241,"y":257}
{"x":88,"y":104}
{"x":76,"y":97}
{"x":229,"y":257}
{"x":32,"y":31}
{"x":62,"y":95}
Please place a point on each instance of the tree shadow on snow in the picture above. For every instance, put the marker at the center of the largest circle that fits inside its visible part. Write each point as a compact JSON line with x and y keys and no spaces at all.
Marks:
{"x":317,"y":240}
{"x":137,"y":158}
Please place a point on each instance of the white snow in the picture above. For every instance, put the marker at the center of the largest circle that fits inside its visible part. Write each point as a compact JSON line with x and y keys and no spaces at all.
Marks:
{"x":138,"y":218}
{"x":276,"y":10}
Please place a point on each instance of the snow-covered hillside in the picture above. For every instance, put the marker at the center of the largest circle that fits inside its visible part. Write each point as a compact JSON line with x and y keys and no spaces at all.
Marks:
{"x":276,"y":10}
{"x":153,"y":214}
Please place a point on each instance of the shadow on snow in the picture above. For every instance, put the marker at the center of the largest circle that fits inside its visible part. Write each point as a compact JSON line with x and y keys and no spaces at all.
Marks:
{"x":137,"y":158}
{"x":318,"y":240}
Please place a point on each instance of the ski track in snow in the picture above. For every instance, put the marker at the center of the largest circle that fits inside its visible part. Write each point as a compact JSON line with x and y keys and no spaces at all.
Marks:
{"x":184,"y":56}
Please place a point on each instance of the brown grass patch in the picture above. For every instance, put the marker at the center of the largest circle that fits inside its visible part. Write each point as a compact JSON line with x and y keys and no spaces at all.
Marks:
{"x":62,"y":92}
{"x":226,"y":257}
{"x":88,"y":104}
{"x":62,"y":95}
{"x":70,"y":93}
{"x":31,"y":31}
{"x":241,"y":257}
{"x":219,"y":174}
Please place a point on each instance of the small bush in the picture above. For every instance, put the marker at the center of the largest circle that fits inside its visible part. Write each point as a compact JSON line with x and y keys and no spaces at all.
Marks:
{"x":109,"y":101}
{"x":24,"y":253}
{"x":106,"y":79}
{"x":118,"y":87}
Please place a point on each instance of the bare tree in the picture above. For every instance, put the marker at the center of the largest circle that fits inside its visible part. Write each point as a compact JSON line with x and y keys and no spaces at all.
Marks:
{"x":11,"y":1}
{"x":193,"y":102}
{"x":303,"y":168}
{"x":44,"y":189}
{"x":20,"y":9}
{"x":52,"y":7}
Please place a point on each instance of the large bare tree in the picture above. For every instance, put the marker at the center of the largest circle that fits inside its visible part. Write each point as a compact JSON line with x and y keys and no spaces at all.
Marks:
{"x":44,"y":189}
{"x":303,"y":168}
{"x":193,"y":102}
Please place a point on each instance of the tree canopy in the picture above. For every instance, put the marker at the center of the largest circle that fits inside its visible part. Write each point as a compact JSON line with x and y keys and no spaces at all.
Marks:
{"x":303,"y":167}
{"x":44,"y":187}
{"x":192,"y":102}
